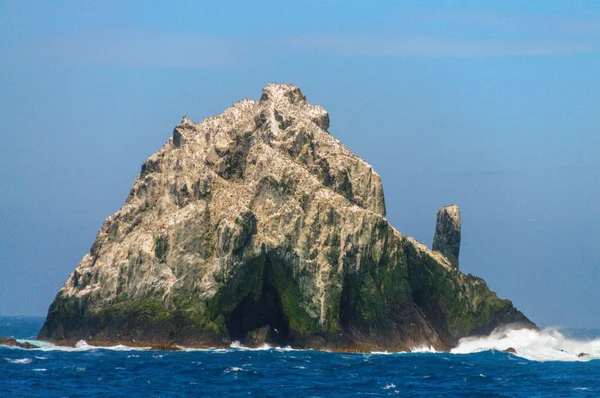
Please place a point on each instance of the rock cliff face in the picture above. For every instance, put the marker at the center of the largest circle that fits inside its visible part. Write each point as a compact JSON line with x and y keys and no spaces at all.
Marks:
{"x":258,"y":225}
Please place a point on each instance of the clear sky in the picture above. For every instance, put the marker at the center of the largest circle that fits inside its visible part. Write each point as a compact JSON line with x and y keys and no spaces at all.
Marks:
{"x":490,"y":105}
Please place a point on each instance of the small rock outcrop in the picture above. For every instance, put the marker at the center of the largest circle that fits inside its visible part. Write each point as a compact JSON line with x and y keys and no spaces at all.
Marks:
{"x":258,"y":337}
{"x":447,"y":233}
{"x":258,"y":225}
{"x":14,"y":343}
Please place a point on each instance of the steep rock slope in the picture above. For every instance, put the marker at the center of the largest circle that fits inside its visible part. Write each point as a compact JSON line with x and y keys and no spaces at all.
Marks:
{"x":258,"y":224}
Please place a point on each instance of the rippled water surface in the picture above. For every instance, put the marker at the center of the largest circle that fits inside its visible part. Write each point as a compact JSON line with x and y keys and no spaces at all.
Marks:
{"x":88,"y":371}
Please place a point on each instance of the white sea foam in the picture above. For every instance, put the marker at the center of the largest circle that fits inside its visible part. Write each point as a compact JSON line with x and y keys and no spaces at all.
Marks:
{"x":423,"y":349}
{"x":189,"y":349}
{"x":80,"y":346}
{"x":233,"y":369}
{"x":545,"y":345}
{"x":22,"y":361}
{"x":238,"y":346}
{"x":40,"y":370}
{"x":417,"y":350}
{"x":286,"y":349}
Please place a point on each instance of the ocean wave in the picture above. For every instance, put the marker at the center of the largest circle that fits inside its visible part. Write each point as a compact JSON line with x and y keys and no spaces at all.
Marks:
{"x":536,"y":345}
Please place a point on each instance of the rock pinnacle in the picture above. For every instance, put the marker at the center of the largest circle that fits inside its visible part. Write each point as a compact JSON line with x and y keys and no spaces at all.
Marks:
{"x":447,"y":233}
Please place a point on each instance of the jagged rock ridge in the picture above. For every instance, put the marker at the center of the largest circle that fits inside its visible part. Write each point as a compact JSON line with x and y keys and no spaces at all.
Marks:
{"x":258,"y":224}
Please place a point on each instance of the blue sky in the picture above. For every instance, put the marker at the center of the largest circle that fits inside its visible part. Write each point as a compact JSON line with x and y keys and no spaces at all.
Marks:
{"x":491,"y":106}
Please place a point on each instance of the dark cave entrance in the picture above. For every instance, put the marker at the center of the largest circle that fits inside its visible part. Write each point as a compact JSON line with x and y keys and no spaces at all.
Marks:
{"x":257,"y":311}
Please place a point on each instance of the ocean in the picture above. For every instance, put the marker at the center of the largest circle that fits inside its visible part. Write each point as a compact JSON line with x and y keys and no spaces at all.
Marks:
{"x":547,"y":364}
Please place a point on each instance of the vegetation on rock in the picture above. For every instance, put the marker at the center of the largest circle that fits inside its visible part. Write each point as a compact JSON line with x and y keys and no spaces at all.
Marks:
{"x":258,"y":225}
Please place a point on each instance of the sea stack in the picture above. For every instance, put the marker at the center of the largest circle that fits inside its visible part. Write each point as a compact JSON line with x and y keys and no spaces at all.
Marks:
{"x":447,"y":233}
{"x":259,"y":226}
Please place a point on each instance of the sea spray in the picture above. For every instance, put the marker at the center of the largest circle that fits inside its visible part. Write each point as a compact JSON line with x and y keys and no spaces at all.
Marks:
{"x":537,"y":345}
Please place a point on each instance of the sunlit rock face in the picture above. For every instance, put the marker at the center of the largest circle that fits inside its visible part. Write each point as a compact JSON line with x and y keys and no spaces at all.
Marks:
{"x":259,"y":225}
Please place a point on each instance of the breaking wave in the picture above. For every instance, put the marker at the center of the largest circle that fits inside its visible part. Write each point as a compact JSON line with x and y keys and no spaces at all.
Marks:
{"x":536,"y":345}
{"x":238,"y":346}
{"x":82,"y":345}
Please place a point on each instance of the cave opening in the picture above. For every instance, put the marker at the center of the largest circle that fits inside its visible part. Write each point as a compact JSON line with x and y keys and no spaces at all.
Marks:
{"x":257,"y":311}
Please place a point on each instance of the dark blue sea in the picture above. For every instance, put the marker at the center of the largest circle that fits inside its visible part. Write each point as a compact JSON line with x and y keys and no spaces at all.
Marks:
{"x":547,"y":364}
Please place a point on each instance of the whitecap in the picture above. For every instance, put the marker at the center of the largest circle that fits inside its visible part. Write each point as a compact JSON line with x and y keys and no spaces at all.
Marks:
{"x":388,"y":386}
{"x":40,"y":370}
{"x":233,"y":369}
{"x":22,"y":361}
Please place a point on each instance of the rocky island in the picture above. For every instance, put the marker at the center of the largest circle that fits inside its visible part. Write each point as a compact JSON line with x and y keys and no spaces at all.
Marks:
{"x":259,"y":226}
